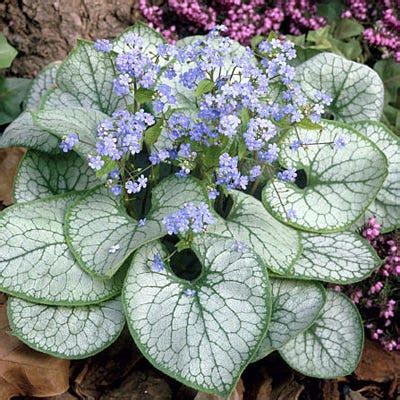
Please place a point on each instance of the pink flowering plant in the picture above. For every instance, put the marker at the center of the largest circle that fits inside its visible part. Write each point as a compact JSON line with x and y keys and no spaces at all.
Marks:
{"x":204,"y":193}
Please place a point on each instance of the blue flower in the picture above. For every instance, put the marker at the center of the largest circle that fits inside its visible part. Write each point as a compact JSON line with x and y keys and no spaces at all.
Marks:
{"x":69,"y":142}
{"x":142,"y":222}
{"x":103,"y":45}
{"x":288,"y":175}
{"x":291,"y":214}
{"x":239,"y":246}
{"x":157,"y":264}
{"x":95,"y":162}
{"x":189,"y":292}
{"x":189,"y":217}
{"x":255,"y":172}
{"x":341,"y":141}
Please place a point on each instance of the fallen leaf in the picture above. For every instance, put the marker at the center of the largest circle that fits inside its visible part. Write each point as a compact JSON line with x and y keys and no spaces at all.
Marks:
{"x":26,"y":372}
{"x":354,"y":396}
{"x":378,"y":365}
{"x":9,"y":161}
{"x":107,"y":368}
{"x":289,"y":389}
{"x":330,"y":390}
{"x":265,"y":390}
{"x":141,"y":385}
{"x":237,"y":394}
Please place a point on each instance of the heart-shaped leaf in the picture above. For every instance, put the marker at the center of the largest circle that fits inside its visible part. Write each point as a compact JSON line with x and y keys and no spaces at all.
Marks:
{"x":22,"y":132}
{"x":35,"y":262}
{"x":295,"y":306}
{"x":41,"y":175}
{"x":356,"y":89}
{"x":332,"y":346}
{"x":44,"y":81}
{"x":88,"y":75}
{"x":202,"y":333}
{"x":66,"y":332}
{"x":61,"y":122}
{"x":336,"y":258}
{"x":341,"y":182}
{"x":98,"y":222}
{"x":278,"y":245}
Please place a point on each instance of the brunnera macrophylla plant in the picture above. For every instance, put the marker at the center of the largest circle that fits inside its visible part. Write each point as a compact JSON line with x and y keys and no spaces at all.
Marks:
{"x":204,"y":193}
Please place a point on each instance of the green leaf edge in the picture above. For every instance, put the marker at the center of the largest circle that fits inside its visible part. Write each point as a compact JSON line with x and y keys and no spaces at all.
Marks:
{"x":298,"y":233}
{"x":276,"y":215}
{"x":141,"y":348}
{"x":15,"y":332}
{"x":361,"y":342}
{"x":154,"y":206}
{"x":379,"y":262}
{"x":323,"y":292}
{"x":41,"y":300}
{"x":53,"y":64}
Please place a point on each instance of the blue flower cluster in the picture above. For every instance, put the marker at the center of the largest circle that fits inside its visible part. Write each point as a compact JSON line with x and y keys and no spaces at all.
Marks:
{"x":135,"y":68}
{"x":245,"y":106}
{"x":189,"y":218}
{"x":240,"y":107}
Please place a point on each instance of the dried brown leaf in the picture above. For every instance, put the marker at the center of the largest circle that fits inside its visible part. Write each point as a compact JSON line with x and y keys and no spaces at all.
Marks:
{"x":26,"y":372}
{"x":330,"y":390}
{"x":9,"y":161}
{"x":141,"y":385}
{"x":377,"y":364}
{"x":237,"y":394}
{"x":265,"y":390}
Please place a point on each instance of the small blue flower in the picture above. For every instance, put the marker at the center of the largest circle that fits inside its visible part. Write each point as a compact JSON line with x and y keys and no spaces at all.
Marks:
{"x":95,"y":162}
{"x":142,"y":222}
{"x":291,"y":214}
{"x":189,"y":292}
{"x":255,"y":172}
{"x":69,"y":142}
{"x":213,"y":194}
{"x":103,"y":45}
{"x":341,"y":142}
{"x":157,"y":264}
{"x":288,"y":175}
{"x":239,"y":247}
{"x":116,"y":190}
{"x":114,"y":248}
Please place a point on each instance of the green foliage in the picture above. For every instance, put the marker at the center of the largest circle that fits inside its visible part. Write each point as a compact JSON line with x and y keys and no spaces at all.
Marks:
{"x":7,"y":52}
{"x":77,"y":264}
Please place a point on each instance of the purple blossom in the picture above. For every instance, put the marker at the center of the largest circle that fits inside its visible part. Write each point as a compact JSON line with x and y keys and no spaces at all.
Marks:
{"x":157,"y":264}
{"x":69,"y":142}
{"x":288,"y":175}
{"x":189,"y":217}
{"x":103,"y":45}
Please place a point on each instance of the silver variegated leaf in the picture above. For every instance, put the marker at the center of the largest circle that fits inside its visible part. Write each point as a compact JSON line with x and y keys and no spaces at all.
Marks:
{"x":385,"y":207}
{"x":151,"y":41}
{"x":341,"y":183}
{"x":356,"y":89}
{"x":277,"y":244}
{"x":66,"y":332}
{"x":389,"y":144}
{"x":295,"y":306}
{"x":88,"y":75}
{"x":42,"y":175}
{"x":23,"y":132}
{"x":387,"y":215}
{"x":332,"y":346}
{"x":204,"y":339}
{"x":102,"y":235}
{"x":336,"y":258}
{"x":44,"y":81}
{"x":57,"y":98}
{"x":61,"y":122}
{"x":35,"y":261}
